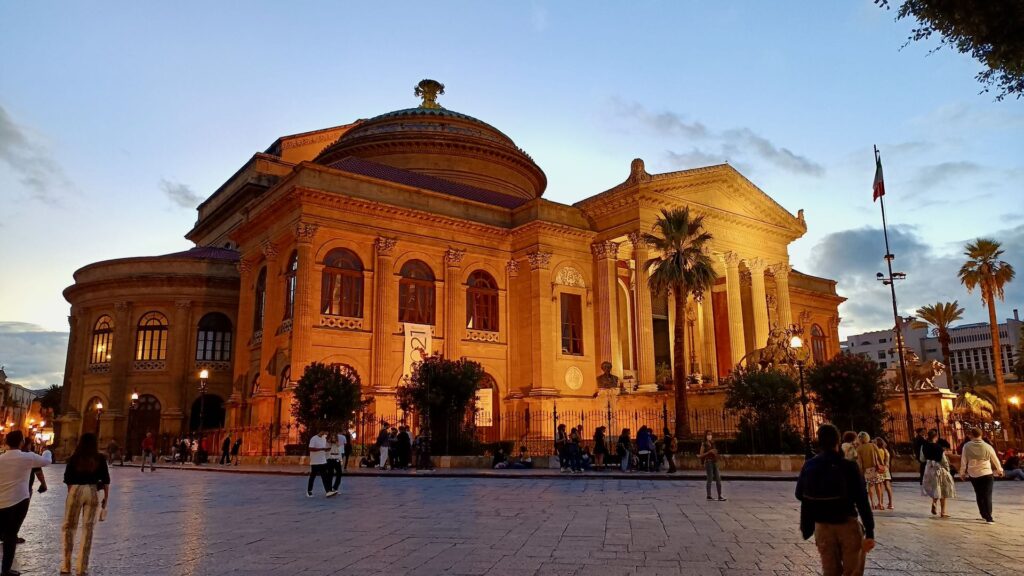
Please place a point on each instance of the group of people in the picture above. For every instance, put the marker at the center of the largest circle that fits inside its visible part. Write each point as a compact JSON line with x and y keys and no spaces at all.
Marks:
{"x":394,"y":448}
{"x":978,"y":462}
{"x":86,"y":476}
{"x":328,"y":458}
{"x":873,"y":459}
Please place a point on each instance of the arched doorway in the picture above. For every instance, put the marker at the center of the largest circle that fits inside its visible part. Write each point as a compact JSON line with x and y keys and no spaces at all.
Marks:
{"x":142,"y":418}
{"x":212,"y":408}
{"x":488,"y":416}
{"x":90,"y":417}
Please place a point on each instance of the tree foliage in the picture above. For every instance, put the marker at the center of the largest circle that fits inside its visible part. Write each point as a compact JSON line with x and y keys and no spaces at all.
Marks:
{"x":990,"y":31}
{"x":766,"y":399}
{"x":850,"y":391}
{"x":326,"y":397}
{"x":50,"y":400}
{"x":444,"y":391}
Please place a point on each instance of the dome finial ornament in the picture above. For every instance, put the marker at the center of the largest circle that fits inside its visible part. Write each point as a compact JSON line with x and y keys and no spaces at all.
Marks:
{"x":429,"y":90}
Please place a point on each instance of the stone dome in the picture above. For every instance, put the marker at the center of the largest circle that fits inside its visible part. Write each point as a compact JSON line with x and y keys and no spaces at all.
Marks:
{"x":444,"y":144}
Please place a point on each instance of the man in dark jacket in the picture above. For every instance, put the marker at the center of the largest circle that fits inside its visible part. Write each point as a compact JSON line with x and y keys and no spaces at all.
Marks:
{"x":225,"y":451}
{"x":832,"y":493}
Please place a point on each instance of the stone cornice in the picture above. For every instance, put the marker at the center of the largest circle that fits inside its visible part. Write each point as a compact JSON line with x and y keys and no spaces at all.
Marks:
{"x":544,"y":227}
{"x":143,"y":287}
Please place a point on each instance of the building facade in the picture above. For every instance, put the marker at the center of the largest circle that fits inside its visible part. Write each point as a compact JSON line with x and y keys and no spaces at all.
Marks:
{"x":425,"y":230}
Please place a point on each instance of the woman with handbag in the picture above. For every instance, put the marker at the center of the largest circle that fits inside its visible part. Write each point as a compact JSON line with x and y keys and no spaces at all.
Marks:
{"x":938,"y":482}
{"x":867,"y":459}
{"x":884,"y":468}
{"x":85,"y":474}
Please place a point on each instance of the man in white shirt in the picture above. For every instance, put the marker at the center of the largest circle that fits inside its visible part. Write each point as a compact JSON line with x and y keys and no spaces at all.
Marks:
{"x":15,"y":468}
{"x":334,"y":459}
{"x":978,"y":461}
{"x":318,"y":464}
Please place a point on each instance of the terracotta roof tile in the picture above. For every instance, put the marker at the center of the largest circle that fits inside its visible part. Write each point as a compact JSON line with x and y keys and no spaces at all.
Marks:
{"x":397,"y":175}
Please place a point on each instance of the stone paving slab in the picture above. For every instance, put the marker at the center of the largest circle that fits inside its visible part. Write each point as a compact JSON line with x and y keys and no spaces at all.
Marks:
{"x":179,"y":523}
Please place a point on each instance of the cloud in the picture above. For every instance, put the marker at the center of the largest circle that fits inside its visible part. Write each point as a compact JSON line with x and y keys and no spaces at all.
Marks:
{"x":731,"y":144}
{"x":30,"y":161}
{"x":932,"y":175}
{"x":853,"y":257}
{"x":32,"y":356}
{"x":180,"y":194}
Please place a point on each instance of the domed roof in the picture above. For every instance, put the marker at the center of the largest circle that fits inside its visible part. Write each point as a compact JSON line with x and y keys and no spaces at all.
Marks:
{"x":442,"y":143}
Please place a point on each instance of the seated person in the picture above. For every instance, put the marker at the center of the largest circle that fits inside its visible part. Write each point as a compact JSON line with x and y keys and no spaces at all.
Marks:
{"x":499,"y":460}
{"x":525,"y":461}
{"x":1011,"y":467}
{"x":586,"y":460}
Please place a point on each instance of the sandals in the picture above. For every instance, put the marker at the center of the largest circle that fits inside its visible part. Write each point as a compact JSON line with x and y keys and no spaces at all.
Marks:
{"x":934,"y":511}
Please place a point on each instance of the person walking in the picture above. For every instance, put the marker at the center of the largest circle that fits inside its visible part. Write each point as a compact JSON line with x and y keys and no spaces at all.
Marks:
{"x":575,"y":454}
{"x":403,"y":447}
{"x":867,"y":460}
{"x":334,"y":458}
{"x":623,"y":449}
{"x":114,"y":452}
{"x":980,"y":464}
{"x":318,"y":464}
{"x":236,"y":448}
{"x":938,"y":482}
{"x":669,"y":447}
{"x":148,"y":453}
{"x":832,"y":494}
{"x":225,"y":451}
{"x":849,"y":446}
{"x":15,"y":467}
{"x":86,"y":474}
{"x":600,"y":447}
{"x":562,"y":448}
{"x":708,"y":456}
{"x":885,"y":464}
{"x":383,"y":445}
{"x":919,"y":441}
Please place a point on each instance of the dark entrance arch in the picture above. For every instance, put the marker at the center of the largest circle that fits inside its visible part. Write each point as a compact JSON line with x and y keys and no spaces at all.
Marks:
{"x":90,"y":423}
{"x":212,"y":407}
{"x":143,"y":417}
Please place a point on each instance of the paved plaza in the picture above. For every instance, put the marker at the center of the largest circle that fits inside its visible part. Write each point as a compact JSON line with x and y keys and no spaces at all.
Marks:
{"x":186,"y":522}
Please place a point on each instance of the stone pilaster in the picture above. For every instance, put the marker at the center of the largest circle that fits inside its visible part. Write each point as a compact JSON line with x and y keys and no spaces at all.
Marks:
{"x":384,"y":313}
{"x":272,"y":313}
{"x":453,"y":321}
{"x":180,"y":360}
{"x":543,"y":324}
{"x":303,"y":315}
{"x":643,"y":321}
{"x":122,"y":358}
{"x":737,"y":342}
{"x":709,"y":354}
{"x":781,"y":272}
{"x":609,"y":348}
{"x":758,"y":301}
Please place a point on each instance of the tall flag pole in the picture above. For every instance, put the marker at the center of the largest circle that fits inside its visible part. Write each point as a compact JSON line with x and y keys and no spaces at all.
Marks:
{"x":878,"y":194}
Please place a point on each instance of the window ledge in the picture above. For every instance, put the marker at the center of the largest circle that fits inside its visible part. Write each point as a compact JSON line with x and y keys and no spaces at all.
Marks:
{"x":214,"y":365}
{"x":482,"y":336}
{"x":99,"y":368}
{"x":149,"y":365}
{"x":340,"y":322}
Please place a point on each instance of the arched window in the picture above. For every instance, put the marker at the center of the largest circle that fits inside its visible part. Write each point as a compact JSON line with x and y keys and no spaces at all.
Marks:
{"x":818,"y":344}
{"x":416,"y":293}
{"x":291,"y":274}
{"x":151,"y":338}
{"x":102,"y":340}
{"x":260,"y":301}
{"x":286,"y":378}
{"x":481,"y":302}
{"x":213,"y":340}
{"x":91,"y":416}
{"x":341,"y":293}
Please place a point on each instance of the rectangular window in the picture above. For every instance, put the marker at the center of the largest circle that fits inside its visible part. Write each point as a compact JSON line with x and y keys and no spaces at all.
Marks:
{"x":572,"y":324}
{"x":881,"y":355}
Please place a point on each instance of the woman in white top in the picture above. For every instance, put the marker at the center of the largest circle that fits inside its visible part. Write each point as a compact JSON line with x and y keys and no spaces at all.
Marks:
{"x":15,"y":468}
{"x":978,"y":461}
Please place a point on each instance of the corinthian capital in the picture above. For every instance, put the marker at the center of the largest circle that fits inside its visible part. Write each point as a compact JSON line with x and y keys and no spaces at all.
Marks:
{"x":755,"y":265}
{"x":781,"y":270}
{"x":605,"y":250}
{"x":384,"y":246}
{"x":731,"y":259}
{"x":453,"y":257}
{"x":539,"y":260}
{"x":637,"y":240}
{"x":268,"y":249}
{"x":304,"y":232}
{"x":512,"y":267}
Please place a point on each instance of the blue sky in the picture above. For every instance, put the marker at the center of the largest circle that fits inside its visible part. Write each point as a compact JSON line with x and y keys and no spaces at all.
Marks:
{"x":116,"y":118}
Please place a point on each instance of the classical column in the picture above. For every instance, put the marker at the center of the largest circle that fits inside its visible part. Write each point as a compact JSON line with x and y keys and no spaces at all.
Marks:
{"x":76,"y":362}
{"x":709,"y":356}
{"x":543,"y":324}
{"x":181,"y":362}
{"x":272,"y":308}
{"x":453,"y":321}
{"x":781,"y":272}
{"x":737,"y":342}
{"x":303,"y":315}
{"x":123,"y":356}
{"x":643,"y":319}
{"x":758,"y":301}
{"x":513,"y":369}
{"x":608,"y":347}
{"x":243,"y":326}
{"x":383,"y":311}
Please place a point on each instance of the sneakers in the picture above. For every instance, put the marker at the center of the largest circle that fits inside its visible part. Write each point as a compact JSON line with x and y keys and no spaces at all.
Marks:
{"x":721,"y":499}
{"x":709,"y":497}
{"x":309,"y":494}
{"x":332,"y":493}
{"x":564,"y":470}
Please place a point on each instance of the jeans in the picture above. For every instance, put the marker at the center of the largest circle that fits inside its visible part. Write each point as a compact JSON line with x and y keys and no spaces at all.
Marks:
{"x":671,"y":459}
{"x":82,"y":502}
{"x":10,"y":523}
{"x":983,"y":493}
{"x":225,"y":457}
{"x":624,"y":461}
{"x":712,"y":473}
{"x":321,"y":471}
{"x":573,"y":454}
{"x":334,"y":473}
{"x":840,"y":548}
{"x":1015,"y":474}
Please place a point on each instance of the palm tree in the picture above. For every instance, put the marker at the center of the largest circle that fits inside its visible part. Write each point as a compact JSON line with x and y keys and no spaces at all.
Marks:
{"x":941,"y":316}
{"x":970,"y":400}
{"x":985,"y":270}
{"x":682,"y":267}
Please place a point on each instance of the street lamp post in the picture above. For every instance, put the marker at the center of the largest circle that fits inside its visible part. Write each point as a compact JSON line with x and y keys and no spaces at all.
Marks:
{"x":131,"y":422}
{"x":204,"y":375}
{"x":99,"y":410}
{"x":890,"y":281}
{"x":797,"y":343}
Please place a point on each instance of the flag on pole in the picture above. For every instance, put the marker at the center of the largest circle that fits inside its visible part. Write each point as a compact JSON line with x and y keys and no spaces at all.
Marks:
{"x":879,"y":185}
